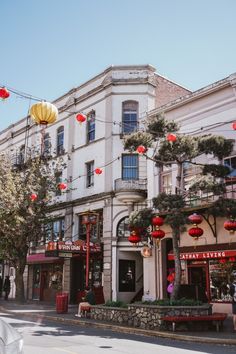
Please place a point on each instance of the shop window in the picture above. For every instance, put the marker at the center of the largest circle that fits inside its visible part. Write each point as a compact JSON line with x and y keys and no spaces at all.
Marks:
{"x":126,"y":275}
{"x":129,"y":166}
{"x":55,"y":230}
{"x":129,"y":117}
{"x":220,"y":278}
{"x":123,"y":227}
{"x":91,"y":127}
{"x":60,"y":141}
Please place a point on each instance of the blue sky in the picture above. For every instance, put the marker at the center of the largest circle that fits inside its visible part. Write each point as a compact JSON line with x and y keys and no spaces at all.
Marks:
{"x":51,"y":46}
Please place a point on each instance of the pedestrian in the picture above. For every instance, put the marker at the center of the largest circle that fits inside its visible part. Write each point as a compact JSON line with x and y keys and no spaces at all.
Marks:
{"x":89,"y":300}
{"x":7,"y":287}
{"x":232,"y":292}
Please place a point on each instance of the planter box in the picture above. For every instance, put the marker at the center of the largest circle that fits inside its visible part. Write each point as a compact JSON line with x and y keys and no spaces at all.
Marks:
{"x":146,"y":316}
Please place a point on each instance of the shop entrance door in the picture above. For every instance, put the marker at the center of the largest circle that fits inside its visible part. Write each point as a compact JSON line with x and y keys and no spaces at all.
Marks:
{"x":77,"y":278}
{"x":198,"y":278}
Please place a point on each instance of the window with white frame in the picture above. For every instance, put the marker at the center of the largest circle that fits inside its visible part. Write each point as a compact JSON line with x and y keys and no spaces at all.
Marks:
{"x":89,"y":174}
{"x":123,"y":229}
{"x":60,"y":141}
{"x":129,"y":117}
{"x":129,"y":166}
{"x":91,"y":126}
{"x":167,"y":183}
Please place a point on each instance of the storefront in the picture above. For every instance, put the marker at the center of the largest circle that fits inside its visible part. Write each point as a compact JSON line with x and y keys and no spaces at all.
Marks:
{"x":78,"y":254}
{"x":44,"y":277}
{"x":207,"y":271}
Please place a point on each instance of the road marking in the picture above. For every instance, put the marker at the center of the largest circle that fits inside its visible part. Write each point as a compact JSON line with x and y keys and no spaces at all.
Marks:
{"x":65,"y":351}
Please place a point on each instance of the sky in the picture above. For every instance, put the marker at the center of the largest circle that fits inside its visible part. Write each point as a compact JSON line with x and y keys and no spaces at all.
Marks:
{"x":47,"y":47}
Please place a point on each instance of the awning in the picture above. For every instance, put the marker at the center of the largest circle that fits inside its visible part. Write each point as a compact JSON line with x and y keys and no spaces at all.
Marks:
{"x":204,"y":255}
{"x":40,"y":258}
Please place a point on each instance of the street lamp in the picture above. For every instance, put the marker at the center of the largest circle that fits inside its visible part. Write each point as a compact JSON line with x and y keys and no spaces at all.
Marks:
{"x":88,"y":218}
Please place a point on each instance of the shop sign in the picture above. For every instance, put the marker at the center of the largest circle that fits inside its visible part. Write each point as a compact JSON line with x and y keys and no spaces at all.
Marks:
{"x":204,"y":255}
{"x":65,"y":254}
{"x":73,"y":247}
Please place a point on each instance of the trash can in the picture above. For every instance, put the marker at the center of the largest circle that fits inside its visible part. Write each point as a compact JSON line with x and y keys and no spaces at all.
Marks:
{"x":62,"y":303}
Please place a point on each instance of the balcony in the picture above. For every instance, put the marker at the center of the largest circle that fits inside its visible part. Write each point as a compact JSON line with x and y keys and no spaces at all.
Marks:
{"x":131,"y":191}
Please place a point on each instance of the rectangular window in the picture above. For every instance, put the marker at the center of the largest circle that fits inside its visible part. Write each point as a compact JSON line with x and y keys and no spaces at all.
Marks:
{"x":58,"y":176}
{"x":60,"y":141}
{"x":126,"y":275}
{"x":91,"y":127}
{"x":55,"y":230}
{"x":130,"y":166}
{"x":95,"y":230}
{"x":89,"y":174}
{"x":231,"y":163}
{"x":167,"y":183}
{"x":220,"y":271}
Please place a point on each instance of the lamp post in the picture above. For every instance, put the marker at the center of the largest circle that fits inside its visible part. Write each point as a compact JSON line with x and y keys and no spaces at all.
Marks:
{"x":88,"y":218}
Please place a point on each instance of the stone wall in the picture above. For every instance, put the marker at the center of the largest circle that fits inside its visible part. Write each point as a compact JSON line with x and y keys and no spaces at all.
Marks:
{"x":145,"y":316}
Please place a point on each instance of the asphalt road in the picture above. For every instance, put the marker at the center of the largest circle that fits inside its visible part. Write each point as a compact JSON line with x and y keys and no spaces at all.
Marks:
{"x":59,"y":338}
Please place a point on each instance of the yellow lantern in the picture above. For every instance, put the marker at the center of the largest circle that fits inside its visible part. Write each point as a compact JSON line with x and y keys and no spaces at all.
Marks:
{"x":44,"y":113}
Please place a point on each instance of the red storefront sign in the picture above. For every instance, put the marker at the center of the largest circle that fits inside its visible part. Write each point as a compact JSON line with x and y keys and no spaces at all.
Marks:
{"x":203,"y":255}
{"x":74,"y":247}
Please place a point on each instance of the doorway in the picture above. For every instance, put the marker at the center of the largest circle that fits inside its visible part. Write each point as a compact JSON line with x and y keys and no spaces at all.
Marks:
{"x":77,"y":278}
{"x":198,"y":280}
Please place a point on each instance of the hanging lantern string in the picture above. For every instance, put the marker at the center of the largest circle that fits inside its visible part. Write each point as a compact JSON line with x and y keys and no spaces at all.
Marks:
{"x":103,"y":166}
{"x":122,"y":124}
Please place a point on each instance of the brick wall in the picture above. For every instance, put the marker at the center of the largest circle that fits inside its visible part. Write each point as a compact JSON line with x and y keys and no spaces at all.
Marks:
{"x":167,"y":91}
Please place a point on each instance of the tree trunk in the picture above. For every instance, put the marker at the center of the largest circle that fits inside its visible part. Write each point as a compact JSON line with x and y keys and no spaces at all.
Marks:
{"x":175,"y":238}
{"x":20,"y":268}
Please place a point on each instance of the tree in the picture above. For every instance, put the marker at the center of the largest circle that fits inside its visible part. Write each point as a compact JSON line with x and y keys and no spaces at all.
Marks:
{"x":176,"y":151}
{"x":26,"y":192}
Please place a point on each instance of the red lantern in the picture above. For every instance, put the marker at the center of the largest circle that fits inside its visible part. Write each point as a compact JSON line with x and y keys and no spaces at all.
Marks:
{"x":171,"y":137}
{"x":81,"y":117}
{"x":98,"y":171}
{"x":195,"y":232}
{"x":4,"y":93}
{"x":141,"y":149}
{"x":158,"y":234}
{"x":195,"y":219}
{"x":157,"y":221}
{"x":62,"y":186}
{"x":134,"y":238}
{"x":33,"y":197}
{"x":230,"y":225}
{"x":234,"y":125}
{"x":232,"y":259}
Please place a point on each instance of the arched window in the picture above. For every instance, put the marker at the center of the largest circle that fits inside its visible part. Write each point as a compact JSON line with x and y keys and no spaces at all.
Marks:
{"x":123,"y":227}
{"x":129,"y":116}
{"x":60,"y":141}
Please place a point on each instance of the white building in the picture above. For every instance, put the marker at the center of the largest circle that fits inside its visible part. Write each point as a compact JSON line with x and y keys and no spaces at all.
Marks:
{"x":116,"y":103}
{"x":209,"y":262}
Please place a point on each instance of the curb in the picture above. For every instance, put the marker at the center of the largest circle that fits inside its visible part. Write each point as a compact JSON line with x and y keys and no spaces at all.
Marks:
{"x":124,"y":329}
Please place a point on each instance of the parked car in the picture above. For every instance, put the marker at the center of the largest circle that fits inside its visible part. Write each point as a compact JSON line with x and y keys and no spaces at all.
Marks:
{"x":11,"y":341}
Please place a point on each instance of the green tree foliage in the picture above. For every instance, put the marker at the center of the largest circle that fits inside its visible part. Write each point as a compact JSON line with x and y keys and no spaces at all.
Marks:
{"x":22,"y":219}
{"x":186,"y":149}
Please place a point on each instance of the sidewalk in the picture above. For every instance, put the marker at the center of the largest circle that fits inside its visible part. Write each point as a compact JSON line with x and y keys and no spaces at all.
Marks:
{"x":38,"y":310}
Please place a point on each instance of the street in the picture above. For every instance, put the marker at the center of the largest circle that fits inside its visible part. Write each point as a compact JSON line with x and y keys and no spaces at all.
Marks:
{"x":59,"y":338}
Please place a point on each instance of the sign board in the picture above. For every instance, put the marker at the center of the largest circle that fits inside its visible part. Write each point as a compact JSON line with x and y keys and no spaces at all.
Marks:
{"x":71,"y":247}
{"x":65,"y":254}
{"x":204,"y":255}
